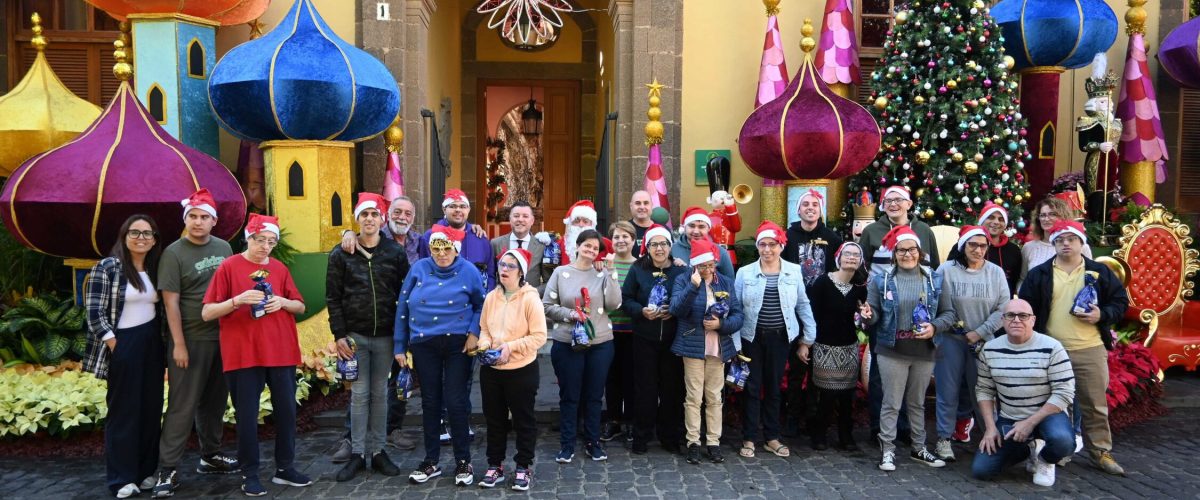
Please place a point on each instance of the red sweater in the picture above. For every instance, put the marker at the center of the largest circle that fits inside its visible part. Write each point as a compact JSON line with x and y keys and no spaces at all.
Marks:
{"x":269,"y":341}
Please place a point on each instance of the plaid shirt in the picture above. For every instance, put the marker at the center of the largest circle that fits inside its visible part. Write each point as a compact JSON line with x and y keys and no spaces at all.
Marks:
{"x":103,"y":298}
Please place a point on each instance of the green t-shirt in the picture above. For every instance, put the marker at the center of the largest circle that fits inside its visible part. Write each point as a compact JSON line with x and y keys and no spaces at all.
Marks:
{"x":186,"y":268}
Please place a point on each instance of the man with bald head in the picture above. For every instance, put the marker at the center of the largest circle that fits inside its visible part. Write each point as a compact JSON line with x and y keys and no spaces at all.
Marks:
{"x":640,"y":207}
{"x":1026,"y":382}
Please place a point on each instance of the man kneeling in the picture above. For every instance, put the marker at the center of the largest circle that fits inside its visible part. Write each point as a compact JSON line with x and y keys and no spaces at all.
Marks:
{"x":1028,"y":378}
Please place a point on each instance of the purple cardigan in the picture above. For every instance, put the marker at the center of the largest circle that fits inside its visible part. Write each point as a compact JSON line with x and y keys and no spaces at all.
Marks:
{"x":475,"y":250}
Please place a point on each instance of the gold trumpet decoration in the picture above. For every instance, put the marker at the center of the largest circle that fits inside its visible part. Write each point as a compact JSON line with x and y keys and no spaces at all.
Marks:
{"x":742,"y":194}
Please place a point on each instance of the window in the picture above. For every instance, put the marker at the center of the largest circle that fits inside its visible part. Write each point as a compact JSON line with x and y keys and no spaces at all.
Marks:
{"x":295,"y":180}
{"x":335,"y":210}
{"x":1046,"y":142}
{"x":195,"y":59}
{"x":156,"y":103}
{"x":80,"y":49}
{"x":874,"y":21}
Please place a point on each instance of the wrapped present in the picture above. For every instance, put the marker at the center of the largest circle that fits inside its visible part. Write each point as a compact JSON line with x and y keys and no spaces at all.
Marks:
{"x":260,"y":283}
{"x":583,"y":332}
{"x":658,"y":293}
{"x":720,"y":307}
{"x":488,"y":357}
{"x":1087,"y":296}
{"x":739,"y":371}
{"x":920,"y":315}
{"x":404,"y":383}
{"x":348,"y":368}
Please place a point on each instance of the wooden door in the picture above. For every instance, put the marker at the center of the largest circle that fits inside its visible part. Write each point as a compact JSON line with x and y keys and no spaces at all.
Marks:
{"x":560,"y":149}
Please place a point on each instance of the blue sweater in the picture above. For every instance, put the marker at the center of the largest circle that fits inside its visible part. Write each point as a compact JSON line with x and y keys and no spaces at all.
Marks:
{"x":688,"y":304}
{"x":438,"y":301}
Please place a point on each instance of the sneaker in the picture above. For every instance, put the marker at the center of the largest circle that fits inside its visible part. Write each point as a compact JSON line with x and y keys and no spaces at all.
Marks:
{"x":962,"y":430}
{"x":1043,"y":471}
{"x":888,"y":462}
{"x":384,"y":464}
{"x":128,"y":490}
{"x":522,"y":478}
{"x":356,"y":464}
{"x":424,"y":472}
{"x":1105,"y":462}
{"x":148,"y":483}
{"x":693,"y":454}
{"x":1078,"y":443}
{"x":218,"y":464}
{"x":291,"y":477}
{"x":596,"y":452}
{"x":565,"y":456}
{"x":714,"y":454}
{"x":924,"y":456}
{"x":252,"y":487}
{"x":612,"y":430}
{"x":464,"y":474}
{"x":944,"y":450}
{"x":397,"y":439}
{"x":166,"y":484}
{"x":343,"y":452}
{"x":494,"y":474}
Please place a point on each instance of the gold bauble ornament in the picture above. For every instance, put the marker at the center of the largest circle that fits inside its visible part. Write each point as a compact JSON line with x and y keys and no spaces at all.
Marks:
{"x":654,"y":114}
{"x":919,"y":99}
{"x":928,"y":213}
{"x":901,"y":17}
{"x":978,"y":4}
{"x":654,"y":129}
{"x":923,"y":157}
{"x":1018,"y":198}
{"x":655,"y":101}
{"x":881,"y":103}
{"x":1010,"y":62}
{"x":971,"y":168}
{"x":952,"y":84}
{"x":978,"y":156}
{"x":958,"y":157}
{"x":920,"y":192}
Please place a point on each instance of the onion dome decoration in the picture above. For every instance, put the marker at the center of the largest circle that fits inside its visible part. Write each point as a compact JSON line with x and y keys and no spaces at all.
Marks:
{"x":1178,"y":54}
{"x":226,"y":12}
{"x":809,"y":132}
{"x":71,"y":201}
{"x":837,"y":56}
{"x":302,"y":82}
{"x":40,"y":113}
{"x":1064,"y":33}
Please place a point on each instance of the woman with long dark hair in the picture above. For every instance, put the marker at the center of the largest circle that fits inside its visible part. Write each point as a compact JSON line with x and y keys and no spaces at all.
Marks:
{"x":126,"y":347}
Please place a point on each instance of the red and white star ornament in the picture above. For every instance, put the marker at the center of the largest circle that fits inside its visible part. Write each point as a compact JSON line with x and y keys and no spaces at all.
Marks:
{"x":200,"y":200}
{"x":259,"y":223}
{"x":524,"y":16}
{"x":370,"y":200}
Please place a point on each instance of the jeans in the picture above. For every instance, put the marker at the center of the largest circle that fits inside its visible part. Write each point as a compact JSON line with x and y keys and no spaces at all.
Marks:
{"x":246,"y":387}
{"x":768,"y":352}
{"x":396,"y":408}
{"x":508,"y":397}
{"x":135,"y":390}
{"x":875,"y":399}
{"x":906,"y":380}
{"x":444,"y":371}
{"x":954,"y":375}
{"x":368,"y":394}
{"x":1055,"y":430}
{"x":581,"y":378}
{"x":658,"y":393}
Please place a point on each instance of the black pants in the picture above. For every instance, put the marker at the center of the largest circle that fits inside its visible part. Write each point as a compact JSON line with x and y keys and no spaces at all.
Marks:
{"x":843,"y":402}
{"x":508,"y":393}
{"x":246,"y":387}
{"x":618,"y":392}
{"x":658,"y":393}
{"x":768,"y":353}
{"x":135,"y":403}
{"x":800,"y":402}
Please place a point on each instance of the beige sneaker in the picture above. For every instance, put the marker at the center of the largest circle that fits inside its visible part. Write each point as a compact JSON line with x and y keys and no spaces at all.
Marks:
{"x":1105,"y":462}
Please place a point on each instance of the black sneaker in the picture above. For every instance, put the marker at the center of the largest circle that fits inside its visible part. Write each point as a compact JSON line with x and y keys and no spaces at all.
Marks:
{"x":167,"y":482}
{"x":522,"y":479}
{"x":693,"y":454}
{"x":291,"y":477}
{"x":252,"y":487}
{"x":595,"y":451}
{"x":493,"y":476}
{"x":565,"y":456}
{"x":612,"y":430}
{"x":464,"y":474}
{"x":218,"y":464}
{"x":351,"y":469}
{"x":424,"y":472}
{"x":714,"y":454}
{"x":924,"y":456}
{"x":384,"y":465}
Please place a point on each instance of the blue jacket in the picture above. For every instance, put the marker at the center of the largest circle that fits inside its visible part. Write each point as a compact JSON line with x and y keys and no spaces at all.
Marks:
{"x":688,"y":304}
{"x":751,"y":286}
{"x":435,"y":301}
{"x":885,"y":313}
{"x":475,"y":250}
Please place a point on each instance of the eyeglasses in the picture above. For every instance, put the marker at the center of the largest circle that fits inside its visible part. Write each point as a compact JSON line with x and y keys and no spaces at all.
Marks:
{"x":660,"y":244}
{"x":707,"y":266}
{"x":767,"y":245}
{"x":976,"y":246}
{"x":457,"y":206}
{"x":507,"y":266}
{"x":907,"y":251}
{"x":893,"y":201}
{"x":268,"y":242}
{"x":1022,"y":317}
{"x":140,"y":235}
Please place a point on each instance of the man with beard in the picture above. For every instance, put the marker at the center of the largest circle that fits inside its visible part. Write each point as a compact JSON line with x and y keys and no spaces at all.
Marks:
{"x":580,"y":217}
{"x":476,"y":249}
{"x":696,"y":225}
{"x":521,"y":219}
{"x":640,"y":207}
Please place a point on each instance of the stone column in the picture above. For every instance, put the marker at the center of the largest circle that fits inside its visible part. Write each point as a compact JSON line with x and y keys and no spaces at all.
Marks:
{"x":627,"y":177}
{"x":1171,"y":13}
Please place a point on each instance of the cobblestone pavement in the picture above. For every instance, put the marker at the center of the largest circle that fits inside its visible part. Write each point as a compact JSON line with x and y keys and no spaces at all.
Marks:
{"x":1158,"y":455}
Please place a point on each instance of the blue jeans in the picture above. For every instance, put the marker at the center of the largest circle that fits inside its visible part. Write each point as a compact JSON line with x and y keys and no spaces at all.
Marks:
{"x":1055,"y":430}
{"x":875,"y":400}
{"x":396,"y":408}
{"x":444,"y":371}
{"x":581,"y":379}
{"x":954,"y":375}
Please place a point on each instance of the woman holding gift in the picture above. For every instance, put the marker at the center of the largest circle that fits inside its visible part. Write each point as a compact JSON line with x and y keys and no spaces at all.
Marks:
{"x":257,"y":302}
{"x":658,"y":393}
{"x":901,"y":303}
{"x":513,"y":326}
{"x":709,"y":315}
{"x":126,"y":347}
{"x":776,"y":310}
{"x":836,"y":299}
{"x":579,"y":294}
{"x":619,"y":391}
{"x":437,"y":320}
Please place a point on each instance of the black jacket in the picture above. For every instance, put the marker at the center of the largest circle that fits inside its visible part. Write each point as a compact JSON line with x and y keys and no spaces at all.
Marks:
{"x":1007,"y":256}
{"x":818,"y":257}
{"x":1038,"y":289}
{"x":361,"y":293}
{"x":635,"y":293}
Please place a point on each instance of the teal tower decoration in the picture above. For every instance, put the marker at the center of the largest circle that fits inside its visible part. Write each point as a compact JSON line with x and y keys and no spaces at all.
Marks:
{"x":173,"y":55}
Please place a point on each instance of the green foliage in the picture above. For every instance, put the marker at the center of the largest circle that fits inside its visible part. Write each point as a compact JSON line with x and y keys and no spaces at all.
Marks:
{"x":23,"y":270}
{"x":33,"y":401}
{"x":42,"y":330}
{"x":946,"y":102}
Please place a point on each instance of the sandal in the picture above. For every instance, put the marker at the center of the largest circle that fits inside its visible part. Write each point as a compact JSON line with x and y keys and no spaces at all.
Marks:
{"x":779,"y":451}
{"x":746,"y":451}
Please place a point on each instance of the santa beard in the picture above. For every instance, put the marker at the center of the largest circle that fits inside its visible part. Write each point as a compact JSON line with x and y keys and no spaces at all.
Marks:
{"x":570,"y":238}
{"x":398,"y":228}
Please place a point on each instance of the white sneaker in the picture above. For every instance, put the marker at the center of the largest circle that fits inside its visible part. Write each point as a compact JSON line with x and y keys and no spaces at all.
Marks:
{"x":148,"y":483}
{"x":888,"y":463}
{"x":128,"y":490}
{"x":1078,"y":443}
{"x":1043,"y":471}
{"x":944,"y":450}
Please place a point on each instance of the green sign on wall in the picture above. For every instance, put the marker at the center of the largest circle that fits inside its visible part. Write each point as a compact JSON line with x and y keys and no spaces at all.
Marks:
{"x":702,"y":157}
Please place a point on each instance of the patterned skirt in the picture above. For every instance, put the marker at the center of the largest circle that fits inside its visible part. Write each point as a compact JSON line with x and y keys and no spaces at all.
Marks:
{"x":835,"y":368}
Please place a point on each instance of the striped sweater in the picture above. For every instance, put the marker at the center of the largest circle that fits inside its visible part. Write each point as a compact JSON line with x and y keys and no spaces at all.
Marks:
{"x":1024,"y":377}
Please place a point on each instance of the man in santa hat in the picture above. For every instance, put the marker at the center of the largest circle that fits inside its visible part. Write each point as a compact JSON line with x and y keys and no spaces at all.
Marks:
{"x":809,"y":242}
{"x":475,"y":249}
{"x":1001,"y":251}
{"x":696,"y":226}
{"x":580,"y":217}
{"x":896,"y":203}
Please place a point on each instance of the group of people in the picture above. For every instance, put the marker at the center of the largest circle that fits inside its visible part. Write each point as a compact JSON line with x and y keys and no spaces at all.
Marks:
{"x":643,"y":303}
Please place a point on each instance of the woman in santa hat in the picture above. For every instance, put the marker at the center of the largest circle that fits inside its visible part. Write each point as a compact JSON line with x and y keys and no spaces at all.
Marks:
{"x":1001,"y":251}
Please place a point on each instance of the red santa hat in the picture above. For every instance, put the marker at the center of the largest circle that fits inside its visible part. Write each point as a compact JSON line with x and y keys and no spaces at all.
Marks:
{"x":702,"y":251}
{"x":771,"y":230}
{"x":655,"y":230}
{"x":440,"y":232}
{"x":582,"y":209}
{"x":837,"y":256}
{"x":900,"y":191}
{"x":814,"y":194}
{"x":990,"y":208}
{"x":455,"y":196}
{"x":522,"y":256}
{"x":898,"y":234}
{"x":968,"y":232}
{"x":201,"y":200}
{"x":370,"y":200}
{"x":1063,"y":227}
{"x":259,"y":223}
{"x":693,"y":214}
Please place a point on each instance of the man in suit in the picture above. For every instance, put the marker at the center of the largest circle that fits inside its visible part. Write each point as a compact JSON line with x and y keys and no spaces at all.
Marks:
{"x":520,"y":217}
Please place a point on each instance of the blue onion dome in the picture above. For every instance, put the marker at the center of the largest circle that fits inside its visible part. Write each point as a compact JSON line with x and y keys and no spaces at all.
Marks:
{"x":302,"y":82}
{"x":1065,"y":33}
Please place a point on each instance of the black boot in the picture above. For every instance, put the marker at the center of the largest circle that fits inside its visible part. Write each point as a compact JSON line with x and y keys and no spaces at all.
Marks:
{"x":693,"y":454}
{"x":352,"y":467}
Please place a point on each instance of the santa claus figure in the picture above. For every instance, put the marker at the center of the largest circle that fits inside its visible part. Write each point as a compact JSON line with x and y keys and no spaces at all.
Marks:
{"x":724,"y":215}
{"x":580,"y":217}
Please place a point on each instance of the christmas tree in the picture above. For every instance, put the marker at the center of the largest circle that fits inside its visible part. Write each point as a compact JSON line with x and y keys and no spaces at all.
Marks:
{"x":947,"y":106}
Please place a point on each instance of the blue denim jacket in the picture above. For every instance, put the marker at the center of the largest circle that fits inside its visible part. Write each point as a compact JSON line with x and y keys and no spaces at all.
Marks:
{"x":885,"y":326}
{"x":751,"y":286}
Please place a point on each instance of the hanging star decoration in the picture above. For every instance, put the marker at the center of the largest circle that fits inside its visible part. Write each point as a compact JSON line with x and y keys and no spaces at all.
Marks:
{"x":524,"y":17}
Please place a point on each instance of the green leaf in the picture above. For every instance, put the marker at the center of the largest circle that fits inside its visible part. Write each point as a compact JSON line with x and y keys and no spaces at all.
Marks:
{"x":30,"y":351}
{"x":53,"y":347}
{"x":79,"y":344}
